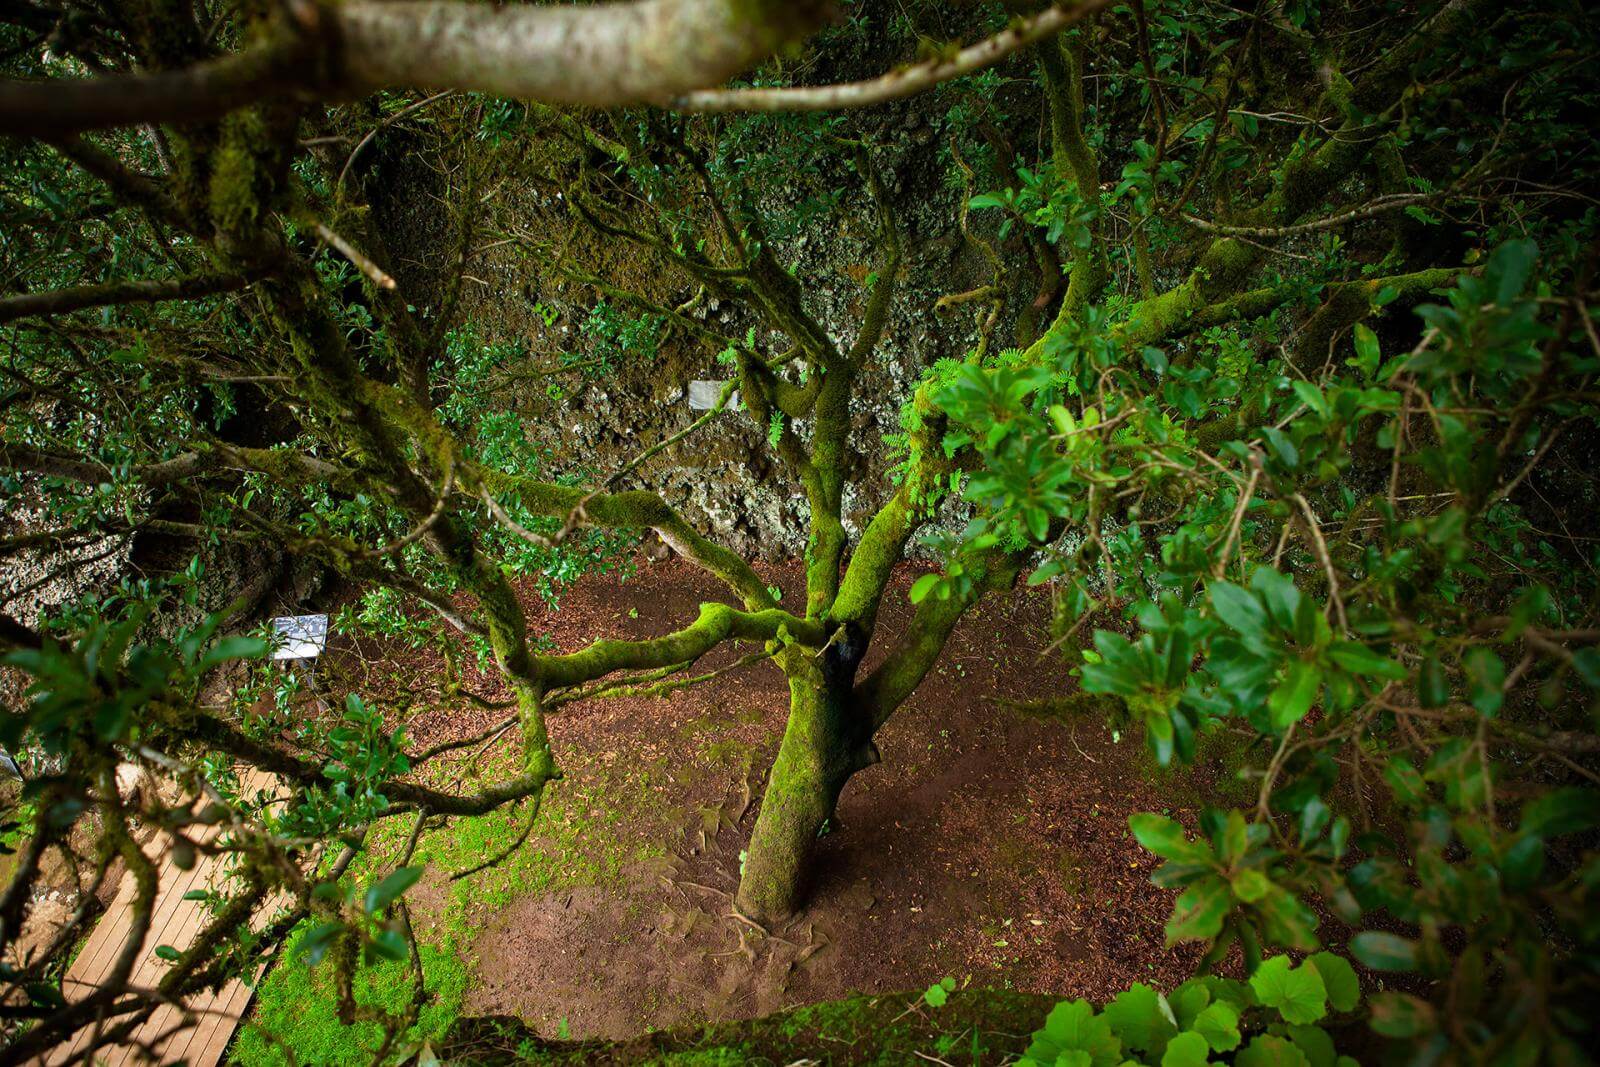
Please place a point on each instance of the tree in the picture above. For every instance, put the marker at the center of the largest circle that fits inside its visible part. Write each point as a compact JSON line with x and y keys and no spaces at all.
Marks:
{"x":1193,"y":396}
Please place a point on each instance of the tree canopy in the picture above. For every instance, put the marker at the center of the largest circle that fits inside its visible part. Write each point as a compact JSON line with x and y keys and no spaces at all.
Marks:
{"x":1274,"y":357}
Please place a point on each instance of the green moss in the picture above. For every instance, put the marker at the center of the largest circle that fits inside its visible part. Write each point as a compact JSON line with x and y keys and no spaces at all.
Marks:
{"x":235,"y":200}
{"x":577,"y":842}
{"x":994,"y":1024}
{"x":295,"y":1018}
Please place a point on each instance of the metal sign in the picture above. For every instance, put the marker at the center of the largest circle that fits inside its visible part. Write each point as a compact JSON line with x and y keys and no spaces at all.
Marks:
{"x":703,"y":396}
{"x":299,"y":636}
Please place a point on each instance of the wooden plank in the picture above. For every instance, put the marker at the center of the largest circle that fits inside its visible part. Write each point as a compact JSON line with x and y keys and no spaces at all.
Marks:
{"x":176,"y":922}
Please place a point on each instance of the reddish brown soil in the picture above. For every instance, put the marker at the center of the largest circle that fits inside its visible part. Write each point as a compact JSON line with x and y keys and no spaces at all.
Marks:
{"x":989,"y":846}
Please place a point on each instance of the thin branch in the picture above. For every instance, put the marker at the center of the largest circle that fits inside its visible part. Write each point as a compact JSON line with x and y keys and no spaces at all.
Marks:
{"x":379,"y":276}
{"x":62,"y":301}
{"x":897,"y":84}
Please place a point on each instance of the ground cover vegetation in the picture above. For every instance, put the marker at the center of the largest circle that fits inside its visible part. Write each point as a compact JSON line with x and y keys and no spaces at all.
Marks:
{"x":1281,"y":374}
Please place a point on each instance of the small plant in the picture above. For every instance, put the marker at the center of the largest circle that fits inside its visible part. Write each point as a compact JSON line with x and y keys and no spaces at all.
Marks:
{"x":1274,"y":1019}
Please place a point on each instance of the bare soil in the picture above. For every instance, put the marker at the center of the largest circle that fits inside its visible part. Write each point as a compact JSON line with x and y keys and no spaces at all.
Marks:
{"x":989,"y":846}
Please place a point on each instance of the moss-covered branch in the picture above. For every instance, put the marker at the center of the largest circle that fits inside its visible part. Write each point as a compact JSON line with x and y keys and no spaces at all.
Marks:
{"x":1074,"y":160}
{"x":636,"y":509}
{"x":913,"y":656}
{"x":717,"y":623}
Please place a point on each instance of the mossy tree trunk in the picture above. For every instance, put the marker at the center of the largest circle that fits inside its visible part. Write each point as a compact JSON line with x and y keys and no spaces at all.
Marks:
{"x":827,"y":740}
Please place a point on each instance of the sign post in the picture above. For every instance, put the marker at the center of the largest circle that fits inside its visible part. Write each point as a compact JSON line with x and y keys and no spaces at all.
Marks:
{"x":301,"y":637}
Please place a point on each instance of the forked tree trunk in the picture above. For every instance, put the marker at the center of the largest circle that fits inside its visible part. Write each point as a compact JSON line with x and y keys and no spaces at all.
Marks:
{"x":823,"y":744}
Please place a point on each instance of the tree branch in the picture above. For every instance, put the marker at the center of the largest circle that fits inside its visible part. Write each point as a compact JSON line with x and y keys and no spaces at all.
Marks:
{"x":716,"y":624}
{"x":897,"y":84}
{"x":602,"y":55}
{"x":62,"y":301}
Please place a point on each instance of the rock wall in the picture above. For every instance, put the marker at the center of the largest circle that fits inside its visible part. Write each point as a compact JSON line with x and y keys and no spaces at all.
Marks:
{"x":725,"y":476}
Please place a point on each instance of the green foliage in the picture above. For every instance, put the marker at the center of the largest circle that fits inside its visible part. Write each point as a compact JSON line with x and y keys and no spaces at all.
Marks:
{"x":1338,"y":550}
{"x":91,"y":689}
{"x":1229,"y":628}
{"x":1276,"y":1018}
{"x":618,"y":338}
{"x":1048,"y":201}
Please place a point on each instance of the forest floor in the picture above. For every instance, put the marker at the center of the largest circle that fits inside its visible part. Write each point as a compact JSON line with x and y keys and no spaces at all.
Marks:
{"x":990,"y":846}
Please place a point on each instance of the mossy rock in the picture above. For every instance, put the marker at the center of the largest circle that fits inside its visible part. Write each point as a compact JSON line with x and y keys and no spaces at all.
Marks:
{"x":856,"y":1031}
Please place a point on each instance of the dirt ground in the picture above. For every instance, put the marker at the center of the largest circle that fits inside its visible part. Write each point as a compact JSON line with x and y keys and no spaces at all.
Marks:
{"x":990,"y":846}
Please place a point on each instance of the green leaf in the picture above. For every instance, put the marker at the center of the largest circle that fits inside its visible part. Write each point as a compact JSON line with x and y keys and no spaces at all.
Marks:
{"x":1433,"y":684}
{"x":1369,"y":355}
{"x":938,"y":994}
{"x":922,"y":587}
{"x":1486,"y":681}
{"x":1072,"y":1026}
{"x":1188,"y":1001}
{"x":1297,"y":992}
{"x":1311,"y":397}
{"x":1400,"y":1015}
{"x":1186,"y":1050}
{"x":1315,"y":1043}
{"x":1344,"y":990}
{"x":167,"y":952}
{"x":319,"y":939}
{"x":1282,"y":446}
{"x":388,"y":945}
{"x":1523,"y":861}
{"x":1294,"y":695}
{"x":1270,"y":1050}
{"x":1239,"y":609}
{"x":1384,"y":952}
{"x":1562,"y":811}
{"x":1250,"y":885}
{"x":1405,"y":780}
{"x":1165,"y":838}
{"x":1587,"y":663}
{"x":1141,"y":1017}
{"x":1509,"y":268}
{"x":1288,"y":920}
{"x":1038,"y":522}
{"x":1358,"y":659}
{"x":230,"y":648}
{"x":1199,"y":912}
{"x":388,"y":891}
{"x":1219,"y":1024}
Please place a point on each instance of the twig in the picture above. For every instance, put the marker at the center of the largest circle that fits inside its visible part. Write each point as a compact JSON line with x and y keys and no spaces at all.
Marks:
{"x":379,"y":277}
{"x":896,"y":84}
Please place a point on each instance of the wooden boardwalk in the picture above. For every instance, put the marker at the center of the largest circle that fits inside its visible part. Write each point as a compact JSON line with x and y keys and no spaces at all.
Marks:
{"x":199,"y":1036}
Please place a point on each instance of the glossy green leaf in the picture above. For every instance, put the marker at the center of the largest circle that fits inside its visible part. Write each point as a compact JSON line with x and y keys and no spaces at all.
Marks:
{"x":1186,"y":1050}
{"x":1218,"y":1023}
{"x":1294,"y":695}
{"x":1383,"y":951}
{"x":1141,"y":1017}
{"x":1344,"y":989}
{"x":386,"y":892}
{"x":1200,"y":911}
{"x":1297,"y":993}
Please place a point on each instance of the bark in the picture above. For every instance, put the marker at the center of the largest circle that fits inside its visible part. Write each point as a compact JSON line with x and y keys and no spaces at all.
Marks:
{"x":599,"y":55}
{"x":826,"y":742}
{"x":62,"y":301}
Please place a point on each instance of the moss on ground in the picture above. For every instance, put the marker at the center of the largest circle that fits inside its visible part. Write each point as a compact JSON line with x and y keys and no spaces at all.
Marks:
{"x":576,"y":843}
{"x":974,"y":1026}
{"x":296,"y":1018}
